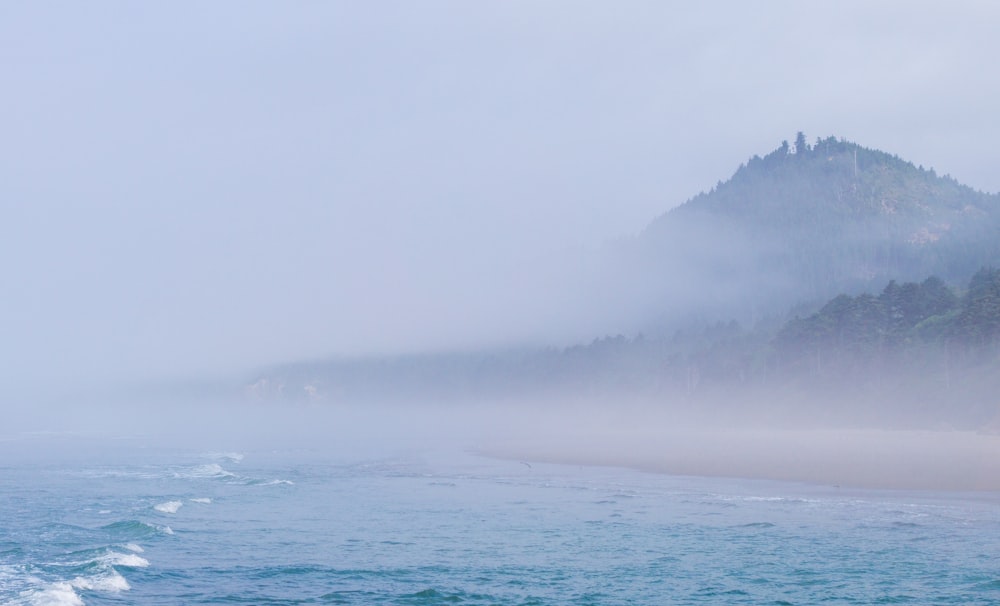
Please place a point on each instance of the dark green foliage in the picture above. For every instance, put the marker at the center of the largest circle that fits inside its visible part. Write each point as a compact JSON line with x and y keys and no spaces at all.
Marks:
{"x":978,"y":323}
{"x":859,"y":331}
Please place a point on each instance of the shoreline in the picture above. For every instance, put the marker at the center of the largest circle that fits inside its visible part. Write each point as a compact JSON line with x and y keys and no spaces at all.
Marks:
{"x":878,"y":459}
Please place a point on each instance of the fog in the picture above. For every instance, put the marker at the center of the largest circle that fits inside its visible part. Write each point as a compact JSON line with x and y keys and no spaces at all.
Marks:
{"x":193,"y":192}
{"x":762,"y":441}
{"x":196,"y":189}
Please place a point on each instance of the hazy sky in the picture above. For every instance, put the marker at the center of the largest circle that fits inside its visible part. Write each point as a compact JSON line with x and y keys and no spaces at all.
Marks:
{"x":205,"y":186}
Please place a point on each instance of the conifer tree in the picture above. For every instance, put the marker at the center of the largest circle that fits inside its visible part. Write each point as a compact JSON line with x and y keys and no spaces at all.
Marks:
{"x":801,"y":146}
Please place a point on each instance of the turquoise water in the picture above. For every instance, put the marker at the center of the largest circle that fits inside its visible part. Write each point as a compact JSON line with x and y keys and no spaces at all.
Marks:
{"x":134,"y":525}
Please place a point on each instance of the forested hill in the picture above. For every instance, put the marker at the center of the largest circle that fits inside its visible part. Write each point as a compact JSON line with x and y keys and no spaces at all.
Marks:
{"x":806,"y":222}
{"x":759,"y":284}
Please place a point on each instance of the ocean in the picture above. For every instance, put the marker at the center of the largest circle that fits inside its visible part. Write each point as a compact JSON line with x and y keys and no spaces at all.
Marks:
{"x":127,"y":523}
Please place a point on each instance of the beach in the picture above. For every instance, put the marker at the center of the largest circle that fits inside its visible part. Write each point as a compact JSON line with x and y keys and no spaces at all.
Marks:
{"x":873,"y":458}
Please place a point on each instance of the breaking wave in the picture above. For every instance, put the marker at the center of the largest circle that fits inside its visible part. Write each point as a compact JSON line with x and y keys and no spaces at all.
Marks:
{"x":169,"y":506}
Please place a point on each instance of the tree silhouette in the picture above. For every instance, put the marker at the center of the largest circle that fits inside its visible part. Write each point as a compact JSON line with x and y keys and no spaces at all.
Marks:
{"x":801,"y":147}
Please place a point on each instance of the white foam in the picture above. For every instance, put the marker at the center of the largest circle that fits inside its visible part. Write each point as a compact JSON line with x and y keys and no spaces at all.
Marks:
{"x":104,"y":511}
{"x":277,"y":482}
{"x":57,"y":594}
{"x":110,"y":582}
{"x":133,"y":548}
{"x":202,"y":500}
{"x":209,"y":470}
{"x":127,"y":559}
{"x":166,"y":530}
{"x":168,"y":507}
{"x":10,"y":576}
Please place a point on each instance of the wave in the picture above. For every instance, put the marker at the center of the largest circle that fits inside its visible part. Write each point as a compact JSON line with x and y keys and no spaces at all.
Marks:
{"x":134,"y":530}
{"x":202,"y":500}
{"x":274,"y":482}
{"x":56,"y":594}
{"x":234,"y":457}
{"x":110,"y":582}
{"x":169,"y":506}
{"x":101,"y":558}
{"x":208,"y":470}
{"x":204,"y":470}
{"x":214,"y":471}
{"x":128,"y":560}
{"x":91,"y":570}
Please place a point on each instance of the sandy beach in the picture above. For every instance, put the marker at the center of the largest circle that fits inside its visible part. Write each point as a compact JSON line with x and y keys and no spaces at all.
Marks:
{"x":949,"y":460}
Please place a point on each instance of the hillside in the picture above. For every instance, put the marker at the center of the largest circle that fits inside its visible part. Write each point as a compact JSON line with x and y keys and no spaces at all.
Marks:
{"x":804,"y":223}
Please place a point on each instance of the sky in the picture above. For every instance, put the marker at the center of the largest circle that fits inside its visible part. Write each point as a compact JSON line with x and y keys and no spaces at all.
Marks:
{"x":189,"y":188}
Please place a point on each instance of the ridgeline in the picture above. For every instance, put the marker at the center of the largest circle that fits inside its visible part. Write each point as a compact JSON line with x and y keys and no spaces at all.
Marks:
{"x":805,"y":223}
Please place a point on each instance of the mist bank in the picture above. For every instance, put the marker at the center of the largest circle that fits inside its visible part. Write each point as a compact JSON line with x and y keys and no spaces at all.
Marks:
{"x":776,"y":302}
{"x":769,"y":283}
{"x":917,"y":355}
{"x":729,"y":439}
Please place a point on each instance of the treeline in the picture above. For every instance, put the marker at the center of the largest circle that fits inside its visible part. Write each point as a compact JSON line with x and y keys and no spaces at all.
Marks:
{"x":852,"y":333}
{"x":917,"y":331}
{"x":916,"y":350}
{"x":847,"y":337}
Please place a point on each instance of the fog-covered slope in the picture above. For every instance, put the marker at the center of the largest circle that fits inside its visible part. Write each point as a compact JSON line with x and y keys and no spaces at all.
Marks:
{"x":804,"y":223}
